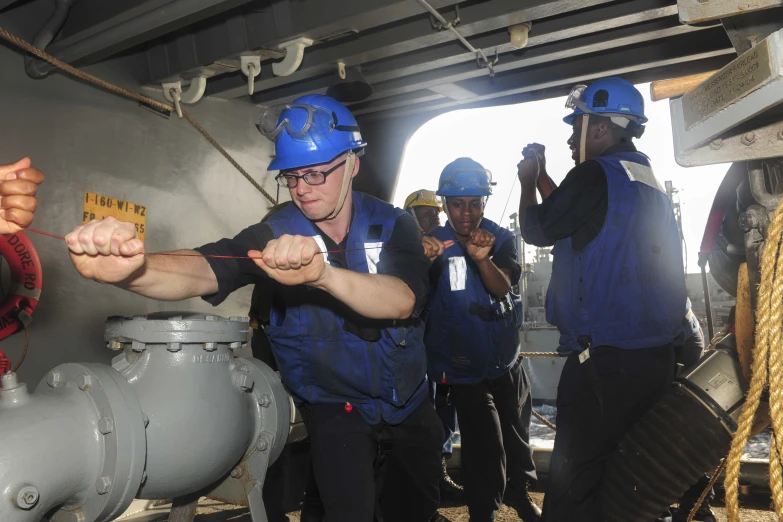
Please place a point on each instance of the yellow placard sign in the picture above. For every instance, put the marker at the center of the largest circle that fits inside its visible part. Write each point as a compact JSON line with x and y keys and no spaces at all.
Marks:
{"x":97,"y":206}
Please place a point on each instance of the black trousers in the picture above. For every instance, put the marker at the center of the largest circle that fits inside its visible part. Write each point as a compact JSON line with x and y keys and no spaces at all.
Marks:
{"x":494,"y":418}
{"x":383,"y":472}
{"x":597,"y":402}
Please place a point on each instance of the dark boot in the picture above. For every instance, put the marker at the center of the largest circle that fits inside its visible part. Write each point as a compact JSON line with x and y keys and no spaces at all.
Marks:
{"x":448,"y":488}
{"x":519,"y":499}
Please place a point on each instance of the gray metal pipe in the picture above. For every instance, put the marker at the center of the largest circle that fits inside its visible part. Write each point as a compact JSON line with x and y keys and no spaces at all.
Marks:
{"x":34,"y":67}
{"x":133,"y":31}
{"x":50,"y":453}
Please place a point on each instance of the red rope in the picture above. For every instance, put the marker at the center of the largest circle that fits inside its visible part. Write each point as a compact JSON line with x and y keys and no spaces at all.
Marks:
{"x":5,"y":364}
{"x":213,"y":256}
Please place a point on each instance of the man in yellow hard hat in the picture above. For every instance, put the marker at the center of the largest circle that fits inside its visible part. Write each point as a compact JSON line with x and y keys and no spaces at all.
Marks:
{"x":425,"y":208}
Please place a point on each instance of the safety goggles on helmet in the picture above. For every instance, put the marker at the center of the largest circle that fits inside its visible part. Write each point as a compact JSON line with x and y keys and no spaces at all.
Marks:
{"x":575,"y":98}
{"x":462,"y":179}
{"x":300,"y":121}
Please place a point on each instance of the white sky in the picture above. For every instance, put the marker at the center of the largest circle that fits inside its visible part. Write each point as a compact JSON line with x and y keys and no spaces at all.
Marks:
{"x":495,"y":137}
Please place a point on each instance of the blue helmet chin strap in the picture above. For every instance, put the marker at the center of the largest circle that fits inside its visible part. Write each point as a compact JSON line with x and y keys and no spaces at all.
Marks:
{"x":583,"y":138}
{"x":350,"y":163}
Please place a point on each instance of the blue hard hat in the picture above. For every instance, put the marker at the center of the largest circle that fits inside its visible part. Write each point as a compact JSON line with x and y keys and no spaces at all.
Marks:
{"x":312,"y":129}
{"x":607,"y":97}
{"x":465,"y":177}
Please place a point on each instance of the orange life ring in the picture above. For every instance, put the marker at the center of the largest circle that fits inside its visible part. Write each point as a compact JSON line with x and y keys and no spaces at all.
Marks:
{"x":17,"y":307}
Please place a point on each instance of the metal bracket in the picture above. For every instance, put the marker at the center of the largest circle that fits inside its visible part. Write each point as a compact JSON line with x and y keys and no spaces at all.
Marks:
{"x":293,"y":57}
{"x":749,"y":86}
{"x":481,"y":63}
{"x":741,"y":145}
{"x":251,"y":67}
{"x":699,"y":11}
{"x":172,"y":91}
{"x":439,"y":26}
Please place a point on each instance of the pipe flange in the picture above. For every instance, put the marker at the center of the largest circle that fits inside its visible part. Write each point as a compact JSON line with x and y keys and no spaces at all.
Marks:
{"x":271,"y":407}
{"x":120,"y":423}
{"x":172,"y":329}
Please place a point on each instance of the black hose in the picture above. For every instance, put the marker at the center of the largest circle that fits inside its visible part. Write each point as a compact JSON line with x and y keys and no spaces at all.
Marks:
{"x":676,"y":442}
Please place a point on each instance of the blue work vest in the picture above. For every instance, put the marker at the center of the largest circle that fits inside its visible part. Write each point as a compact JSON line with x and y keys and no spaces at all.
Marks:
{"x":627,"y":287}
{"x":470,"y":335}
{"x":319,"y":358}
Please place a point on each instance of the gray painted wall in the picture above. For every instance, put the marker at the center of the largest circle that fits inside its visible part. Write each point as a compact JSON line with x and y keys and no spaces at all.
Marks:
{"x":88,"y":140}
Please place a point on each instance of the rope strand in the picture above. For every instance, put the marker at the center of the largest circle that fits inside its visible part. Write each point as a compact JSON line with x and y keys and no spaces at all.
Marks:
{"x":767,"y":369}
{"x":706,"y":491}
{"x":544,"y":421}
{"x":18,"y":42}
{"x":211,"y":256}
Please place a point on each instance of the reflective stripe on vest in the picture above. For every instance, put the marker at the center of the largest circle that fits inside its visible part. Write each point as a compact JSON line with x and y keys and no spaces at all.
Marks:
{"x":627,"y":287}
{"x":468,"y":338}
{"x":321,"y":357}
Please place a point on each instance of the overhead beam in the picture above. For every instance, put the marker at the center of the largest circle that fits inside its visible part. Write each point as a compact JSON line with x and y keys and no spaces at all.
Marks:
{"x":548,"y":31}
{"x":643,"y":72}
{"x":410,"y":36}
{"x":429,"y":61}
{"x":623,"y":61}
{"x":607,"y":41}
{"x":602,"y":41}
{"x":127,"y":29}
{"x":269,"y":26}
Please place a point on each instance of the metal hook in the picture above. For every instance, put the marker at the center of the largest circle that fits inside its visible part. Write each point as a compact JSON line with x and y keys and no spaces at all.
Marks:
{"x":251,"y":67}
{"x":251,"y":79}
{"x":176,"y":97}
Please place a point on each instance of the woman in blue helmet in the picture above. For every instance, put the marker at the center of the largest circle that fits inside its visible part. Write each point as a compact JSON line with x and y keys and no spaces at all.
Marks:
{"x":617,"y":288}
{"x":472,"y":341}
{"x":349,"y":282}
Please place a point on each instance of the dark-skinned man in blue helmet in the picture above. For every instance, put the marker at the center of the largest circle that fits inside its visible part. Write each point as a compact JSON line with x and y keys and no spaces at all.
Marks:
{"x":617,"y":288}
{"x":472,"y":340}
{"x":350,"y":279}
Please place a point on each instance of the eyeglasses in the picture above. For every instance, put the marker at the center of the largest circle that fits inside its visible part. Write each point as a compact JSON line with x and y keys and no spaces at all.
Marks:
{"x":311,"y":177}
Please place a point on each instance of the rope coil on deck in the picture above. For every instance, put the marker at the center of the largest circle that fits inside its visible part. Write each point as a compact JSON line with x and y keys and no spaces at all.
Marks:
{"x":22,"y":44}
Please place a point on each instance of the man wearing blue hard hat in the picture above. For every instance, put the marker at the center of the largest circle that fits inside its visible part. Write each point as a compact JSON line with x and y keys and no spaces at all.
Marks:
{"x":349,"y":281}
{"x":472,"y":340}
{"x":617,"y":288}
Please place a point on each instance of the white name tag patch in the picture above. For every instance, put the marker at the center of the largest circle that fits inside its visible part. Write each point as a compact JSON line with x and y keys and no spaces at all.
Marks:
{"x":458,"y":273}
{"x":642,"y":174}
{"x":372,"y":252}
